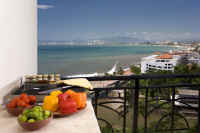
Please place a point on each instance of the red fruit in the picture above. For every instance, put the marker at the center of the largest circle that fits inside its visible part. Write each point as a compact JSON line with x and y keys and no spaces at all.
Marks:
{"x":21,"y":104}
{"x":23,"y":96}
{"x":26,"y":100}
{"x":32,"y":99}
{"x":15,"y":101}
{"x":63,"y":97}
{"x":67,"y":106}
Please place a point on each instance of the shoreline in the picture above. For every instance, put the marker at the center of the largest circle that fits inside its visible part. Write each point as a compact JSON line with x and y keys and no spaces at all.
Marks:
{"x":78,"y":60}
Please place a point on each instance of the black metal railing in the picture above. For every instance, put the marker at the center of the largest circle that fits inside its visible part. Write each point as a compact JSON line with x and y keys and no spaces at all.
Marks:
{"x":150,"y":89}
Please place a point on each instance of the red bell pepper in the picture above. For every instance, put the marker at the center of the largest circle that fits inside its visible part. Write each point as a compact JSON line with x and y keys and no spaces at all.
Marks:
{"x":63,"y":97}
{"x":66,"y":104}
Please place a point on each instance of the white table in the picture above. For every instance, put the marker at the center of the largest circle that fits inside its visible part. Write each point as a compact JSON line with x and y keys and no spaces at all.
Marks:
{"x":82,"y":122}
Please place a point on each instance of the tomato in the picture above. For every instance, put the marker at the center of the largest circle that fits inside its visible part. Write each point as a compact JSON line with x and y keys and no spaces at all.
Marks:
{"x":23,"y":96}
{"x":26,"y":100}
{"x":21,"y":103}
{"x":32,"y":99}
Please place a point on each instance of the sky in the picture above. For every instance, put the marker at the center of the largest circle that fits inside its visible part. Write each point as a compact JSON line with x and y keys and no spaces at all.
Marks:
{"x":95,"y":19}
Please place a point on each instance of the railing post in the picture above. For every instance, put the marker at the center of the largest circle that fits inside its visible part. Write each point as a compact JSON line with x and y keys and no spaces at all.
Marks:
{"x":146,"y":110}
{"x":172,"y":109}
{"x":96,"y":102}
{"x":135,"y":109}
{"x":124,"y":115}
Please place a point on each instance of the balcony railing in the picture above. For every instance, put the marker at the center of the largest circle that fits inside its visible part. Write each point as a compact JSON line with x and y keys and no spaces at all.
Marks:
{"x":146,"y":95}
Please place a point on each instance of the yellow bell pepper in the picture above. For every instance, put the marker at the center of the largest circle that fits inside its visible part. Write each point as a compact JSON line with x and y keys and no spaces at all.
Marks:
{"x":56,"y":93}
{"x":50,"y":103}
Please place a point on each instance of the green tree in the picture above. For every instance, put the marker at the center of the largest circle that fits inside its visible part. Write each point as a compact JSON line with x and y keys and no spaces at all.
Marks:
{"x":191,"y":68}
{"x":135,"y":69}
{"x":121,"y":71}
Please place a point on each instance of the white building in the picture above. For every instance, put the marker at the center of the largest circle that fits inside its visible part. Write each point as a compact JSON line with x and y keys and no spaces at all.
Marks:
{"x":159,"y":61}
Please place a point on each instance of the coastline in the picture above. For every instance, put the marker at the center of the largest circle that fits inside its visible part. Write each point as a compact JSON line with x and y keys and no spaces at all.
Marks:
{"x":71,"y":60}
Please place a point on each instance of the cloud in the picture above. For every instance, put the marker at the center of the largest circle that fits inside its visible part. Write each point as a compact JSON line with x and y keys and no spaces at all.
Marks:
{"x":45,"y":7}
{"x":144,"y":33}
{"x":187,"y":34}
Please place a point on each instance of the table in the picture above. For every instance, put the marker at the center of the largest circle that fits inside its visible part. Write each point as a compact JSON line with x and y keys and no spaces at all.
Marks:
{"x":83,"y":121}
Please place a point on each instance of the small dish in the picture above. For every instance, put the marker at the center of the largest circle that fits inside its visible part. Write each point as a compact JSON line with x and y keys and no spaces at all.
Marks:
{"x":35,"y":125}
{"x":16,"y":111}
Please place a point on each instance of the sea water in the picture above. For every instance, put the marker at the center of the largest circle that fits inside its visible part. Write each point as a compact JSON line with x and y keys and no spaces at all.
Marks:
{"x":68,"y":60}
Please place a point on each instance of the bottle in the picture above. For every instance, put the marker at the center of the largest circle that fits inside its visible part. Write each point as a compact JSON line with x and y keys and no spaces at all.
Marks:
{"x":52,"y":79}
{"x":57,"y":77}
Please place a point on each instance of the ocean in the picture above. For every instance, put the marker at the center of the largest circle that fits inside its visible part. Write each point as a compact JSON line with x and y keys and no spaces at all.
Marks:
{"x":69,"y":60}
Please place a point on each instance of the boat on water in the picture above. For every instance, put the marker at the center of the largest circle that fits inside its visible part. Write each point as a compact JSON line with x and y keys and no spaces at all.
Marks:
{"x":110,"y":72}
{"x":113,"y":70}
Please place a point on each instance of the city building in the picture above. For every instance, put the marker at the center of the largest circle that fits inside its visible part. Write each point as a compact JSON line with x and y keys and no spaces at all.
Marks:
{"x":158,"y":61}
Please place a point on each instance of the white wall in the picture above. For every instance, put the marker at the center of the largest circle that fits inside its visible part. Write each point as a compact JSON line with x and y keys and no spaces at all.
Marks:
{"x":18,"y":39}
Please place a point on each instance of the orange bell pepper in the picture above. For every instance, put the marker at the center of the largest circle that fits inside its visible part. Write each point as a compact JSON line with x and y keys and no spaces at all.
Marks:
{"x":79,"y":97}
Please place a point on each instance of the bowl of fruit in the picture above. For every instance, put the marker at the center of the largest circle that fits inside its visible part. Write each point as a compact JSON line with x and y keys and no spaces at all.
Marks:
{"x":34,"y":118}
{"x":18,"y":104}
